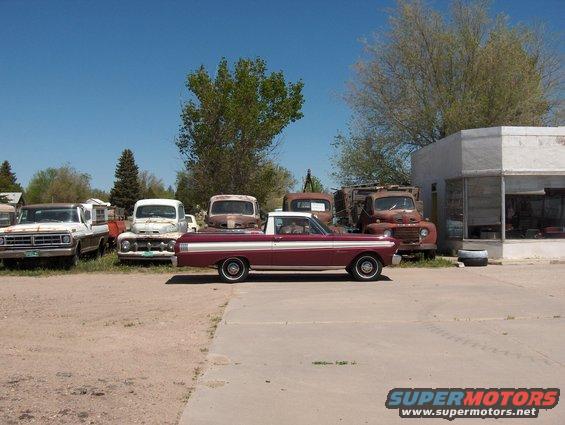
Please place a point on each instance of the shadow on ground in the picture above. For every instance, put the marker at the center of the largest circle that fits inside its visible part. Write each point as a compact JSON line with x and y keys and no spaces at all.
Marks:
{"x":196,"y":279}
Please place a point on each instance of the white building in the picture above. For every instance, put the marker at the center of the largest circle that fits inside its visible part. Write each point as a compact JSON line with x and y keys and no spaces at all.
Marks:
{"x":501,"y":189}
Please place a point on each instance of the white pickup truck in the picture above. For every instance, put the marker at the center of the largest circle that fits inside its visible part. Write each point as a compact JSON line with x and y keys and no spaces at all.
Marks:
{"x":157,"y":224}
{"x":54,"y":231}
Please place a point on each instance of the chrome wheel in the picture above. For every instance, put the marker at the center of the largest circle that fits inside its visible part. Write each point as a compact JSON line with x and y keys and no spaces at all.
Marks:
{"x":366,"y":268}
{"x":233,"y":270}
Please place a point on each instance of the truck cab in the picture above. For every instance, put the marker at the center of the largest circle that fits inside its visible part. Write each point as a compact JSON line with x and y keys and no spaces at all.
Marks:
{"x":318,"y":204}
{"x":396,"y":214}
{"x":230,"y":212}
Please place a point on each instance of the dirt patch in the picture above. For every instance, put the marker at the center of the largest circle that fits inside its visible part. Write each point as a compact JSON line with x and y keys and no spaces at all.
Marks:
{"x":102,"y":348}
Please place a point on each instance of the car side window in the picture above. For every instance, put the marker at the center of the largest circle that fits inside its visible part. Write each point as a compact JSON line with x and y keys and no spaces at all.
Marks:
{"x":294,"y":226}
{"x":181,"y":212}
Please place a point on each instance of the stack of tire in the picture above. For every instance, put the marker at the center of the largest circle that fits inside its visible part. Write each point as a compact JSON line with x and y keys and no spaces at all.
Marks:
{"x":473,"y":257}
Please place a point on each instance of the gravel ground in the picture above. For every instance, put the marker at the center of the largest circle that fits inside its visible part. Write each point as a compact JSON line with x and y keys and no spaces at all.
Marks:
{"x":103,"y":348}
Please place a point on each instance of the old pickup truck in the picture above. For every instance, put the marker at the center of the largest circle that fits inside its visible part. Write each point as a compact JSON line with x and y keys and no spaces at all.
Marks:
{"x":54,"y":231}
{"x":157,"y":223}
{"x":289,"y":241}
{"x":232,"y":212}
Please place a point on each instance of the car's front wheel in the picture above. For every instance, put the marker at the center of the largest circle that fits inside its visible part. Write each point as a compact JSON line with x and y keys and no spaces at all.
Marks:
{"x":233,"y":270}
{"x":366,"y":268}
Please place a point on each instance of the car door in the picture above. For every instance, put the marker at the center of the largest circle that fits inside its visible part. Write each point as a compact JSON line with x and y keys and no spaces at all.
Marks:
{"x":88,"y":241}
{"x":299,"y":242}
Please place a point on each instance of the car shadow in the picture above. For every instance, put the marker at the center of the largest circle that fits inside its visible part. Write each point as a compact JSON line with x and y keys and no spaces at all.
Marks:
{"x":200,"y":279}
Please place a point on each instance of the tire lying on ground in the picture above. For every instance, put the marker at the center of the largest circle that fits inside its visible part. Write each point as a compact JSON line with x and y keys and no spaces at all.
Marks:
{"x":473,"y":257}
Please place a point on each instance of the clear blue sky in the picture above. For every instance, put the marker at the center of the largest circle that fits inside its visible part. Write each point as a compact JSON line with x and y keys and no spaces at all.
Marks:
{"x":82,"y":80}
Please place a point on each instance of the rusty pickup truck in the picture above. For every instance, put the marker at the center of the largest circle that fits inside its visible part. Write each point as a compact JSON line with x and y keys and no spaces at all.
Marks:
{"x":232,"y":212}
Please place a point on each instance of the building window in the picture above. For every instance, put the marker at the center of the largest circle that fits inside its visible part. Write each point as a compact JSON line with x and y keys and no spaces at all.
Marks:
{"x":483,"y":207}
{"x":535,"y":207}
{"x":454,"y":208}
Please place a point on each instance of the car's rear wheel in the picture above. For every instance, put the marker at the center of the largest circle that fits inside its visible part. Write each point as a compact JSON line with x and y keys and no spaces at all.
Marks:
{"x":366,"y":268}
{"x":233,"y":270}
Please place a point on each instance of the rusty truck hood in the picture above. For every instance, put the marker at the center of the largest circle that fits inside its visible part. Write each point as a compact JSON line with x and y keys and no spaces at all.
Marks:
{"x":41,"y":227}
{"x":398,"y":216}
{"x":154,"y":226}
{"x":232,"y":221}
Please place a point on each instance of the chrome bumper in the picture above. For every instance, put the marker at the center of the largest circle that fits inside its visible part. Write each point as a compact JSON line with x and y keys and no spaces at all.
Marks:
{"x":41,"y":253}
{"x":396,"y":259}
{"x":174,"y":261}
{"x":145,"y":255}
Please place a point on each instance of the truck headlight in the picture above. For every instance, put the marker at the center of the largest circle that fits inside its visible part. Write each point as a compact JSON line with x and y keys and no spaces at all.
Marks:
{"x":126,"y":245}
{"x":66,"y":239}
{"x":424,"y":232}
{"x":2,"y":240}
{"x":171,"y":246}
{"x":387,"y":233}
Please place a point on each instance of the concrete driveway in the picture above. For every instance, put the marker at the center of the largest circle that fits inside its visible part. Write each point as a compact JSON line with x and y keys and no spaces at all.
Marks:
{"x":319,"y":349}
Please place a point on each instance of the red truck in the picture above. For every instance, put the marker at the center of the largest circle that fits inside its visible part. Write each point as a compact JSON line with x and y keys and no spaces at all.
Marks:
{"x":389,"y":211}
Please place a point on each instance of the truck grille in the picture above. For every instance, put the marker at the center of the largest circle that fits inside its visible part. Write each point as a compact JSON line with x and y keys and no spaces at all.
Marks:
{"x":41,"y":240}
{"x":47,"y":239}
{"x":148,"y":245}
{"x":407,"y":234}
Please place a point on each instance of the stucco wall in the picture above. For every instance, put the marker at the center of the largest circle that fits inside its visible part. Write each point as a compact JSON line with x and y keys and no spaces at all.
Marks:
{"x":489,"y":151}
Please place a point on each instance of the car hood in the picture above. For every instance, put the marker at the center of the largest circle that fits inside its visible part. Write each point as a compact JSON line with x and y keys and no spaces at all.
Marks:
{"x":154,"y":226}
{"x":41,"y":227}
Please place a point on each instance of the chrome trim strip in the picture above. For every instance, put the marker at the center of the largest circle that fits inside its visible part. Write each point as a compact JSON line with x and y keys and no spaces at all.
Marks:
{"x":278,"y":245}
{"x":297,"y":268}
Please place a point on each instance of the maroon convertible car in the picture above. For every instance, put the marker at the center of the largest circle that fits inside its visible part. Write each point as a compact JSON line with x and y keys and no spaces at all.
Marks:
{"x":289,"y":241}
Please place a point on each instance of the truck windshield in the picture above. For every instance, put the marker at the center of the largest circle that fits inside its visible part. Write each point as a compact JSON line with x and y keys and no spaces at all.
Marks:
{"x":394,"y":203}
{"x":49,"y":215}
{"x":307,"y":205}
{"x":232,"y":207}
{"x":155,"y":211}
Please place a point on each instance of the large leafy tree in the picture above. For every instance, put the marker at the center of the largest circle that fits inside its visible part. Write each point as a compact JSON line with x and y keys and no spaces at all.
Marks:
{"x":8,"y":180}
{"x":63,"y":184}
{"x":126,"y":191}
{"x":430,"y":75}
{"x":229,"y":128}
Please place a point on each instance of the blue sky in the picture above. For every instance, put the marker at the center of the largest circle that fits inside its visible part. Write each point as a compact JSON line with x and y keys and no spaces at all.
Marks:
{"x":82,"y":80}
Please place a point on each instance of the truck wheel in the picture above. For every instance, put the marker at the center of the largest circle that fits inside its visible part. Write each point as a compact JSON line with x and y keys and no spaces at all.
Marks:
{"x":233,"y":270}
{"x":72,"y":261}
{"x":101,"y":249}
{"x":366,"y":268}
{"x":10,"y":263}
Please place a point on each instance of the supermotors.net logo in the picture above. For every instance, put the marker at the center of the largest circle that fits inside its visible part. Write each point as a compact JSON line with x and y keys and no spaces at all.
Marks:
{"x":452,"y":403}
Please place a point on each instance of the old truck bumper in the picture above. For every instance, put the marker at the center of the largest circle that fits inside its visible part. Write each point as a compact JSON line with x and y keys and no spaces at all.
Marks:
{"x":37,"y":253}
{"x":416,"y":247}
{"x":145,"y":255}
{"x":396,"y":259}
{"x":174,"y":261}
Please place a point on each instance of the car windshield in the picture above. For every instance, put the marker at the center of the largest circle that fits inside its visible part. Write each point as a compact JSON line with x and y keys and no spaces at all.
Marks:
{"x":307,"y":205}
{"x":325,"y":228}
{"x":49,"y":215}
{"x":156,"y":211}
{"x":232,"y":207}
{"x":394,"y":203}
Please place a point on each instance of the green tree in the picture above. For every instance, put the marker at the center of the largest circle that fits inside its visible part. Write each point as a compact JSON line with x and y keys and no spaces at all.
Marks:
{"x":183,"y":192}
{"x":229,"y":128}
{"x":126,"y":191}
{"x":100,"y":194}
{"x":153,"y":187}
{"x":8,"y":180}
{"x":430,"y":75}
{"x":64,"y":184}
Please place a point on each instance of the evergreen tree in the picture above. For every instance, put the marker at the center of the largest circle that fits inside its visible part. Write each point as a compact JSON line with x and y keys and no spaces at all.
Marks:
{"x":8,"y":181}
{"x":126,"y":191}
